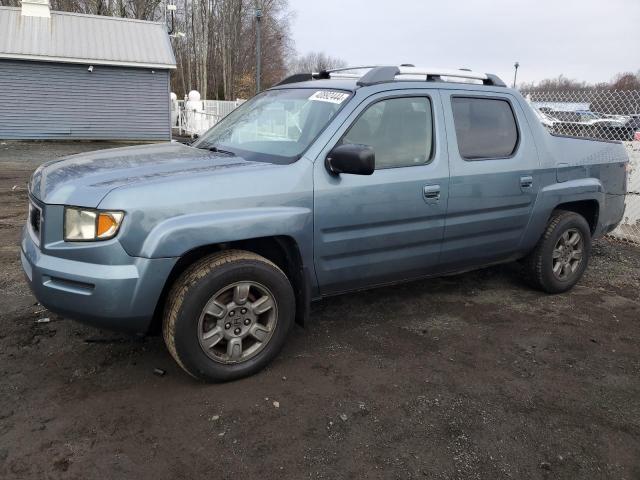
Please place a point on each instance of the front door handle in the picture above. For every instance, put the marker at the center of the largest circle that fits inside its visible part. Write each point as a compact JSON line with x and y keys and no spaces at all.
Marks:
{"x":526,"y":181}
{"x":431,"y":193}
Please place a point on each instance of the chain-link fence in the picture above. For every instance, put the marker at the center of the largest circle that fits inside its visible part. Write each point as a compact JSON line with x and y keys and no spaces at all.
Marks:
{"x":603,"y":114}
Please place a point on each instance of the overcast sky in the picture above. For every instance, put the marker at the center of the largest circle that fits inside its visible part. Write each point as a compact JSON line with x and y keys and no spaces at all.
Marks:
{"x":588,"y":40}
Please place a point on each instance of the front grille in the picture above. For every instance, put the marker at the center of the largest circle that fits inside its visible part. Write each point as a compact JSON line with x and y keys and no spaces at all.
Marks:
{"x":35,"y":220}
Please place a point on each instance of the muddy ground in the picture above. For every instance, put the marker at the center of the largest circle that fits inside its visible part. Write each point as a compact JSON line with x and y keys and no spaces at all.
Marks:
{"x":468,"y":377}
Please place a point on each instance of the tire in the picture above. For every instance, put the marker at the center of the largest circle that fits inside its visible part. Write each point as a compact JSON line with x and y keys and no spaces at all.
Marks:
{"x":218,"y":283}
{"x":554,"y":250}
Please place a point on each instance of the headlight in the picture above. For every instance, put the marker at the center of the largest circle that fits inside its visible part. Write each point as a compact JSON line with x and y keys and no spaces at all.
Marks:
{"x":86,"y":225}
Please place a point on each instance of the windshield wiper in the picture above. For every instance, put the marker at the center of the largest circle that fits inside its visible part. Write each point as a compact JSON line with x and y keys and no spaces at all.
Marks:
{"x":220,"y":150}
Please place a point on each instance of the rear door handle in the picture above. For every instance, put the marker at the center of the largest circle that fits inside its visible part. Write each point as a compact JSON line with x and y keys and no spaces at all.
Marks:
{"x":431,"y":193}
{"x":526,"y":181}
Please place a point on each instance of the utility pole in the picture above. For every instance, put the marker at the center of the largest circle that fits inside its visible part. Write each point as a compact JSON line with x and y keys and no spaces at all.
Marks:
{"x":171,"y":7}
{"x":258,"y":13}
{"x":515,"y":75}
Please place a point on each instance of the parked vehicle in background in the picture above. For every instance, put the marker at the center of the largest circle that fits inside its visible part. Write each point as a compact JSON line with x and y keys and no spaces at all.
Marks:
{"x":634,"y":124}
{"x":584,"y":123}
{"x":634,"y":121}
{"x":324,"y":184}
{"x":545,"y":118}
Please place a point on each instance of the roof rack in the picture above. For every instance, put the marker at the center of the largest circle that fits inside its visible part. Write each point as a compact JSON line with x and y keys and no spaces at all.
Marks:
{"x":384,"y":74}
{"x":295,"y":78}
{"x":389,"y":74}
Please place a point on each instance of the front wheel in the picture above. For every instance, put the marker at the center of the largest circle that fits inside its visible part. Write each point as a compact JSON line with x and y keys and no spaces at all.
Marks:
{"x":561,"y":256}
{"x":228,"y":315}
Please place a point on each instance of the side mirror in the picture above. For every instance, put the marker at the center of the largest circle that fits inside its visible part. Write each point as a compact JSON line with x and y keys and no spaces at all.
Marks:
{"x":351,"y":158}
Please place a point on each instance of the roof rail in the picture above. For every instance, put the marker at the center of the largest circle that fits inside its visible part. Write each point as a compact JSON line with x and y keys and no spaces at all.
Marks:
{"x":494,"y":80}
{"x":345,"y":69}
{"x":383,"y":74}
{"x":323,"y":74}
{"x":295,"y":78}
{"x":389,"y":74}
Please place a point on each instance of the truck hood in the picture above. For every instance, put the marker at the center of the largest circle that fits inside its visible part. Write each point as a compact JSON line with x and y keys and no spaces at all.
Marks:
{"x":85,"y":179}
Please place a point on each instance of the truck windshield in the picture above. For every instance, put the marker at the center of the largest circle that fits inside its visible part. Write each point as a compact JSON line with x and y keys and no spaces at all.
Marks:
{"x":275,"y":126}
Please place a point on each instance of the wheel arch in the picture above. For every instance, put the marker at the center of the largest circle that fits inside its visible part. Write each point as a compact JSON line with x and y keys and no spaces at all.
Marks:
{"x":280,"y":249}
{"x":583,"y":196}
{"x":589,"y":209}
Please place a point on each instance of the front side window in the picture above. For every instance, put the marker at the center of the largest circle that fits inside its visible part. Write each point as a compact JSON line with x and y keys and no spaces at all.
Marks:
{"x":485,"y":127}
{"x":275,"y":126}
{"x":400,"y":130}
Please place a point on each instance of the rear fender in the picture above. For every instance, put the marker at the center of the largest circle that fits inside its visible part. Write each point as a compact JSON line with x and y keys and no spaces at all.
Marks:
{"x":555,"y":194}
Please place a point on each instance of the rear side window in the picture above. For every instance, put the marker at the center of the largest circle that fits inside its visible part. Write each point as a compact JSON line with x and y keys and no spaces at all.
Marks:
{"x":400,"y":130}
{"x":485,"y":127}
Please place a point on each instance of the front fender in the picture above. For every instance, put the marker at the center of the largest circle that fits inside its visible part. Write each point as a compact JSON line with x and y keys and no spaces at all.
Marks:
{"x":177,"y":235}
{"x":550,"y":196}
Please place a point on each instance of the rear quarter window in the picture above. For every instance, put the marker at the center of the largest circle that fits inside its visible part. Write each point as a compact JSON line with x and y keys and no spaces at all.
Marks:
{"x":485,"y":127}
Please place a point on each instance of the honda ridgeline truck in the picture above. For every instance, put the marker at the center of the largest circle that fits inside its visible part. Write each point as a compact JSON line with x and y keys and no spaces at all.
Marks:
{"x":325,"y":184}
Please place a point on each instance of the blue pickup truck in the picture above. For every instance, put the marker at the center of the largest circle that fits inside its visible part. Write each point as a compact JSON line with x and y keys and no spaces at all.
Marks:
{"x":325,"y":184}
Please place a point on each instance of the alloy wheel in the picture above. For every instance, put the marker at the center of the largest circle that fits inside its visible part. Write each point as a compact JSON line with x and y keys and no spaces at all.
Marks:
{"x":237,"y":322}
{"x":568,"y":254}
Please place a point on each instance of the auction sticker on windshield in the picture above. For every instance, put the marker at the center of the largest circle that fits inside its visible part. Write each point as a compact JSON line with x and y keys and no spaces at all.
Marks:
{"x":329,"y":96}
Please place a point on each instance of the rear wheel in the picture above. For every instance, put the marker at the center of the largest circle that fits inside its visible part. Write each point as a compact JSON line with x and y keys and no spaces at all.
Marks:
{"x":561,"y":256}
{"x":228,"y":315}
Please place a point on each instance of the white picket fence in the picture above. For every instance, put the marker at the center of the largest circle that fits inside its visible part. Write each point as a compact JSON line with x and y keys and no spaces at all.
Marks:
{"x":194,"y":119}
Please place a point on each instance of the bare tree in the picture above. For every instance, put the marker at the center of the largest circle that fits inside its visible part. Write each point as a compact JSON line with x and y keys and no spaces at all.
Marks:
{"x":314,"y":62}
{"x":560,"y":83}
{"x":626,"y":81}
{"x":217,"y":53}
{"x":621,"y":81}
{"x":217,"y":56}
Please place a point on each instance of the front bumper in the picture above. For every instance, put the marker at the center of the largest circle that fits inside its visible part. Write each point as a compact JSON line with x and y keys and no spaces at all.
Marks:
{"x":120,"y":297}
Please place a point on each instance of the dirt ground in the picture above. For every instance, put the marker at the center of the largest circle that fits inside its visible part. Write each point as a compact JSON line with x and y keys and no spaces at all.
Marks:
{"x":468,"y":377}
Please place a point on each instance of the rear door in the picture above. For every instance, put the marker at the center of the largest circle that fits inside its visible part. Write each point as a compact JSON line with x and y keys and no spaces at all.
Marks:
{"x":493,"y":187}
{"x":388,"y":226}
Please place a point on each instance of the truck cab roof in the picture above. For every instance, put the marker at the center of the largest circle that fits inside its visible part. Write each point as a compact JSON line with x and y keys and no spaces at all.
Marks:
{"x":364,"y":76}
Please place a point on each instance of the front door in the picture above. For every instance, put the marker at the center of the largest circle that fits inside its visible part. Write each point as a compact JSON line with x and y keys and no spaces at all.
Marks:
{"x":388,"y":226}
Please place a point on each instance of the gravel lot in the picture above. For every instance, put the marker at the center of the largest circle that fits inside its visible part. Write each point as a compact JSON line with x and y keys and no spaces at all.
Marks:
{"x":468,"y":377}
